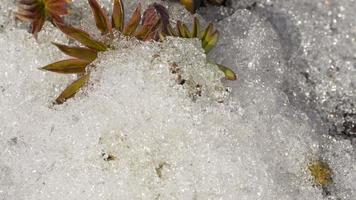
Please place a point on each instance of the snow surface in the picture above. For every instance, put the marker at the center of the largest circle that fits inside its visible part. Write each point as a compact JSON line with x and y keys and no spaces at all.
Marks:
{"x":136,"y":133}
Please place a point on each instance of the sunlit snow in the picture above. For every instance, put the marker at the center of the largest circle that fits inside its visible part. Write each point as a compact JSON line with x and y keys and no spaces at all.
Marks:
{"x":137,"y":132}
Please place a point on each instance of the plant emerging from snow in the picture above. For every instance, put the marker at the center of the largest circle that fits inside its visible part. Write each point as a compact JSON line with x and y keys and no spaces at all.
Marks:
{"x":84,"y":56}
{"x":208,"y":36}
{"x":153,"y":25}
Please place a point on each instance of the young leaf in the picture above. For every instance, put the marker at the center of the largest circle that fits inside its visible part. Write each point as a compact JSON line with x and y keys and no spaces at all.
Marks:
{"x":229,"y":74}
{"x":183,"y":30}
{"x":70,"y":66}
{"x":196,"y":28}
{"x":77,"y":52}
{"x":209,"y":38}
{"x":118,"y":15}
{"x":210,"y":41}
{"x":321,"y":172}
{"x":101,"y":19}
{"x":131,"y":26}
{"x":208,"y":30}
{"x":82,"y":37}
{"x":72,"y":89}
{"x":171,"y":31}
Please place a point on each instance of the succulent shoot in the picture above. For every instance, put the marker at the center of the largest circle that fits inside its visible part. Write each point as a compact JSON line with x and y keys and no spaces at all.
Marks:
{"x":38,"y":11}
{"x":208,"y":36}
{"x":152,"y":25}
{"x":82,"y":57}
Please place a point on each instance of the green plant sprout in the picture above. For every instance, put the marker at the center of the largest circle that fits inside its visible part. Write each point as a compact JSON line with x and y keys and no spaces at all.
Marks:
{"x":152,"y":25}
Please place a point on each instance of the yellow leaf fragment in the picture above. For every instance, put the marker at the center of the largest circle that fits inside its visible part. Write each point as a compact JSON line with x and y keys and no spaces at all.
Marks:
{"x":207,"y":30}
{"x":183,"y":30}
{"x":209,"y":38}
{"x":321,"y":172}
{"x":229,"y":74}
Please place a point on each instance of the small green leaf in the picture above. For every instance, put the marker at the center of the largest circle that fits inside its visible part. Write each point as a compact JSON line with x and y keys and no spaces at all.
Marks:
{"x":77,"y":52}
{"x":118,"y":15}
{"x":187,"y":33}
{"x":171,"y":31}
{"x":208,"y":30}
{"x":72,"y":89}
{"x":70,"y":66}
{"x":183,"y":30}
{"x":101,"y":19}
{"x":196,"y":28}
{"x":209,"y":38}
{"x":131,"y":26}
{"x":210,"y":41}
{"x":81,"y":36}
{"x":229,"y":74}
